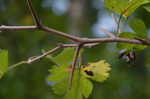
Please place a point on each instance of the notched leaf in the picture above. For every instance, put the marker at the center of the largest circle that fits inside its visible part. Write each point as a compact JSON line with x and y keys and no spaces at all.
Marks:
{"x":98,"y":71}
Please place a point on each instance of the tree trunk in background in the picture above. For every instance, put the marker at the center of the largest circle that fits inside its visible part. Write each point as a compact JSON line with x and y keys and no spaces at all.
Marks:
{"x":77,"y":16}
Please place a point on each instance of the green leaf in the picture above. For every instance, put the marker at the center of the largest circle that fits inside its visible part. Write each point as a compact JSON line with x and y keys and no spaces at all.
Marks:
{"x":97,"y":71}
{"x":87,"y":87}
{"x":139,"y":27}
{"x":65,"y":57}
{"x":147,"y":7}
{"x":3,"y":62}
{"x":124,"y":7}
{"x":59,"y":78}
{"x":59,"y":73}
{"x":82,"y":87}
{"x":129,"y":47}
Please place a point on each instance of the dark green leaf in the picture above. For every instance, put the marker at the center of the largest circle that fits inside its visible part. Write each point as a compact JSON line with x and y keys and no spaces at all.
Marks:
{"x":147,"y":7}
{"x":129,"y":47}
{"x":139,"y":27}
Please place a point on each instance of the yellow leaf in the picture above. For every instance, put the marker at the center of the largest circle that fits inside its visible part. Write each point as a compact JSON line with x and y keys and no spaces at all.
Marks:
{"x":98,"y":71}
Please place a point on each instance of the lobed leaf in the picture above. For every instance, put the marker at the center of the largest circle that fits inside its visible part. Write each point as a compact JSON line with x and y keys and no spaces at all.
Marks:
{"x":59,"y":78}
{"x":97,"y":71}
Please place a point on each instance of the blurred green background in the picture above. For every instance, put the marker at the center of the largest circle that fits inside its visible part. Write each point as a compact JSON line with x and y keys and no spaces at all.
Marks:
{"x":78,"y":17}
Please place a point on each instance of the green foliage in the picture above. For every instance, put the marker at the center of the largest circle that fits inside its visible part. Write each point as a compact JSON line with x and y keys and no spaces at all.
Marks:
{"x":64,"y":58}
{"x":139,"y":27}
{"x":81,"y":85}
{"x":3,"y":62}
{"x":124,"y":7}
{"x":129,"y":47}
{"x":147,"y":7}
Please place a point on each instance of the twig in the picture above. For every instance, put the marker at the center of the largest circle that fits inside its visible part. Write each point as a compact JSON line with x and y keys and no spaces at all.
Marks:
{"x":119,"y":21}
{"x":36,"y":58}
{"x":8,"y":28}
{"x":107,"y":32}
{"x":61,"y":34}
{"x":34,"y":14}
{"x":114,"y":18}
{"x":116,"y":39}
{"x":75,"y":59}
{"x":33,"y":59}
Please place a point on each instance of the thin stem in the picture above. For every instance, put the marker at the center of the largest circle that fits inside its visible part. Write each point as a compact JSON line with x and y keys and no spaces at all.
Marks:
{"x":75,"y":60}
{"x":36,"y":58}
{"x":33,"y":12}
{"x":31,"y":60}
{"x":119,"y":21}
{"x":16,"y":65}
{"x":16,"y":28}
{"x":117,"y":39}
{"x":108,"y":33}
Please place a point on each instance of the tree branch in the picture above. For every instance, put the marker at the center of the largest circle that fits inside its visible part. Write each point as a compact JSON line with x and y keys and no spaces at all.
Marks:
{"x":34,"y":14}
{"x":75,"y":38}
{"x":108,"y":33}
{"x":116,"y":39}
{"x":61,"y":34}
{"x":37,"y":58}
{"x":75,"y":60}
{"x":8,"y":28}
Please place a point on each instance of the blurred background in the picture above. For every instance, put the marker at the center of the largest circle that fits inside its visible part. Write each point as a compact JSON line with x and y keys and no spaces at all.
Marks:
{"x":78,"y":17}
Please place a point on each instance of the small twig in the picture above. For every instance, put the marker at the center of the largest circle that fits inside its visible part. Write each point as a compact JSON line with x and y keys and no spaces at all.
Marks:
{"x":116,"y":39}
{"x":119,"y":21}
{"x":6,"y":28}
{"x":34,"y":59}
{"x":33,"y":12}
{"x":16,"y":65}
{"x":31,"y":60}
{"x":114,"y":18}
{"x":107,"y":32}
{"x":75,"y":59}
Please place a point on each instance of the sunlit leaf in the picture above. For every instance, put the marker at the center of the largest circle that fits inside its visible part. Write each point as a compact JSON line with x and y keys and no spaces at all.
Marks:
{"x":59,"y":79}
{"x":87,"y":87}
{"x":98,"y":71}
{"x":65,"y":57}
{"x":124,"y":7}
{"x":3,"y":62}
